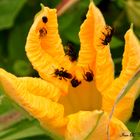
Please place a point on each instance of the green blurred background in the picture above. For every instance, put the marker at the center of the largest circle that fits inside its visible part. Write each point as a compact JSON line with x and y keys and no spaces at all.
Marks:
{"x":16,"y":17}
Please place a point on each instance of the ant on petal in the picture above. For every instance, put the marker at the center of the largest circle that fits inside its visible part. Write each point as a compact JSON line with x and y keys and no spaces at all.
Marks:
{"x":62,"y":74}
{"x":108,"y":36}
{"x":75,"y":82}
{"x":44,"y":19}
{"x":70,"y":51}
{"x":42,"y":32}
{"x":88,"y":76}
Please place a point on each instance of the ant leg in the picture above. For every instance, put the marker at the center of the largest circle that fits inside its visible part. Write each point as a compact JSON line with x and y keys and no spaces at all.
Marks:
{"x":102,"y":41}
{"x":83,"y":71}
{"x":52,"y":74}
{"x":55,"y":76}
{"x":90,"y":69}
{"x":106,"y":27}
{"x":103,"y":33}
{"x":64,"y":78}
{"x":85,"y":78}
{"x":84,"y":74}
{"x":91,"y":72}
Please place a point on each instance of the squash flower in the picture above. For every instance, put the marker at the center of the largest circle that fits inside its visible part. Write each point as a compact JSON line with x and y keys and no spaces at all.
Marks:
{"x":72,"y":99}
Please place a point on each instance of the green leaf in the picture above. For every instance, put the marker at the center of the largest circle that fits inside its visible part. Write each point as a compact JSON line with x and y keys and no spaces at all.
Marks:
{"x":63,"y":22}
{"x":69,"y":29}
{"x":137,"y":131}
{"x":134,"y":127}
{"x":86,"y":2}
{"x":97,"y":1}
{"x":22,"y":68}
{"x":72,"y":33}
{"x":137,"y":128}
{"x":9,"y":9}
{"x":120,"y":3}
{"x":133,"y":12}
{"x":51,"y":4}
{"x":40,"y":137}
{"x":23,"y":129}
{"x":117,"y":60}
{"x":137,"y":31}
{"x":70,"y":21}
{"x":116,"y":43}
{"x":131,"y":125}
{"x":27,"y":132}
{"x":17,"y":40}
{"x":9,"y":118}
{"x":5,"y":104}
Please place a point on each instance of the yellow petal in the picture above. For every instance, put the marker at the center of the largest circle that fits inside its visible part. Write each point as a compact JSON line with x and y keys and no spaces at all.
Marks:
{"x":87,"y":35}
{"x":35,"y":86}
{"x":50,"y":42}
{"x":83,"y":97}
{"x":35,"y":96}
{"x":86,"y":53}
{"x":86,"y":125}
{"x":91,"y":55}
{"x":44,"y":47}
{"x":49,"y":76}
{"x":131,"y":56}
{"x":47,"y":48}
{"x":131,"y":61}
{"x":104,"y":68}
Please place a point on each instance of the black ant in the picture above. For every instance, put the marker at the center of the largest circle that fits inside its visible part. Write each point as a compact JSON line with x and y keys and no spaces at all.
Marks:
{"x":70,"y":51}
{"x":108,"y":36}
{"x":42,"y":32}
{"x":75,"y":82}
{"x":44,"y":19}
{"x":62,"y":74}
{"x":88,"y":76}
